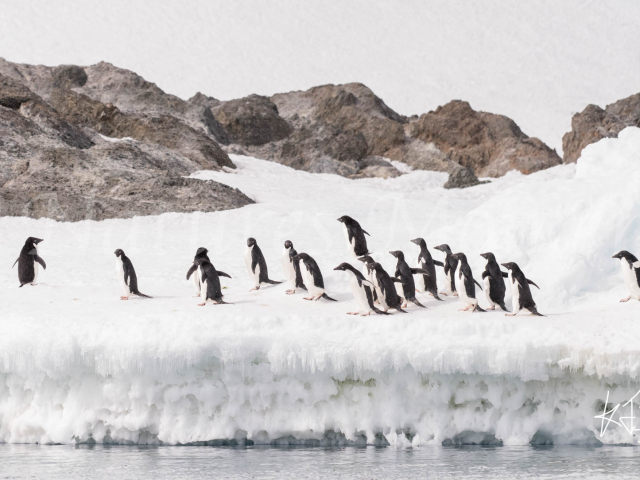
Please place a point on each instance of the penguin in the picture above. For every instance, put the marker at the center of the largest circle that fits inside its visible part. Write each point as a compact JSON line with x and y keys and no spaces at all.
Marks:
{"x":28,"y":262}
{"x":465,"y":284}
{"x":256,"y":265}
{"x":368,"y":274}
{"x":387,"y":294}
{"x":631,"y":274}
{"x":200,"y":253}
{"x":355,"y":236}
{"x":127,"y":276}
{"x":405,"y":274}
{"x":520,"y":291}
{"x":494,"y":287}
{"x":450,"y":265}
{"x":362,"y":290}
{"x":312,"y":278}
{"x":291,"y":268}
{"x":427,"y":283}
{"x":210,"y":281}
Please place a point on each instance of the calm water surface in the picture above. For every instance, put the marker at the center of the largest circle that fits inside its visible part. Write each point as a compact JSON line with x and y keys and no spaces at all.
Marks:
{"x":109,"y":462}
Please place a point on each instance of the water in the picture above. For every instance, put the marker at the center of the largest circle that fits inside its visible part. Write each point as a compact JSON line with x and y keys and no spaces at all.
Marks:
{"x":109,"y":462}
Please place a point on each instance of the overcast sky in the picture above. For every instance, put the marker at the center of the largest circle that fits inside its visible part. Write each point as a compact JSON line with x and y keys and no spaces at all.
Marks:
{"x":537,"y":62}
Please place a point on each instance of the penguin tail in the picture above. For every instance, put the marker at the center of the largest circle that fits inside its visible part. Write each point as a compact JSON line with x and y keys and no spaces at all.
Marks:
{"x":434,"y":292}
{"x":401,"y":310}
{"x":415,"y":301}
{"x":22,"y":285}
{"x":534,"y":311}
{"x":380,"y":312}
{"x":503,"y":307}
{"x":327,"y":297}
{"x":302,"y":287}
{"x":141,"y":294}
{"x":478,"y":308}
{"x":272,"y":282}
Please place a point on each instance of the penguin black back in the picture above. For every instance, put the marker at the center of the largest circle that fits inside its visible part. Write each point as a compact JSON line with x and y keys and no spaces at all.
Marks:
{"x":521,"y":293}
{"x":450,"y":265}
{"x":130,"y":277}
{"x":405,"y":273}
{"x":27,"y":268}
{"x":387,"y":289}
{"x":211,"y":278}
{"x":493,"y":278}
{"x":426,"y":262}
{"x":355,"y":236}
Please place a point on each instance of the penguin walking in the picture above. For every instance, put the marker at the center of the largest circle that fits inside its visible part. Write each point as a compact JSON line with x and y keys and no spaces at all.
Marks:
{"x":312,"y":278}
{"x":127,"y":276}
{"x":28,"y":262}
{"x":450,"y":265}
{"x":631,"y":274}
{"x":427,"y":283}
{"x":405,"y":274}
{"x":200,"y":253}
{"x":355,"y":236}
{"x":210,"y":281}
{"x":494,"y":287}
{"x":362,"y":290}
{"x":256,"y":265}
{"x":520,"y":292}
{"x":368,"y":274}
{"x":291,"y":268}
{"x":387,"y":294}
{"x":465,"y":284}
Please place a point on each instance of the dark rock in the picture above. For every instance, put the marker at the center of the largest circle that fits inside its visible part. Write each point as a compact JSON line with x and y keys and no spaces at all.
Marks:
{"x":13,"y":93}
{"x":377,"y":167}
{"x":594,"y":123}
{"x":462,"y":177}
{"x":69,"y":76}
{"x":213,"y":126}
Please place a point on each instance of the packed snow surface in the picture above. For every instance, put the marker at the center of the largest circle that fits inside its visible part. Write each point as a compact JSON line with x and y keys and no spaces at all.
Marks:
{"x":77,"y":364}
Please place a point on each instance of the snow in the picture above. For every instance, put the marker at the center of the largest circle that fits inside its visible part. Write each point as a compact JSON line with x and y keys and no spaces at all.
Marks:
{"x":536,"y":62}
{"x":77,"y":364}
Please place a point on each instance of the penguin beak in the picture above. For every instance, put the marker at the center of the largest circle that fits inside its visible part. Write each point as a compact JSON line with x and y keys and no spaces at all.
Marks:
{"x":505,"y":265}
{"x":416,"y":241}
{"x":617,"y":255}
{"x":483,"y":255}
{"x":338,"y":268}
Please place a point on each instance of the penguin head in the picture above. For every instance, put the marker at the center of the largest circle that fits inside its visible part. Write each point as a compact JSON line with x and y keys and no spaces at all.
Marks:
{"x":460,"y":256}
{"x":366,"y":259}
{"x":33,"y":241}
{"x":251,"y":242}
{"x":629,"y":257}
{"x":444,"y":248}
{"x":510,"y":266}
{"x":374,"y":266}
{"x":398,"y":254}
{"x":300,"y":256}
{"x":200,"y":261}
{"x":201,"y":251}
{"x":419,"y":242}
{"x":119,"y":253}
{"x":488,"y":256}
{"x":288,"y":244}
{"x":343,"y":266}
{"x":346,"y":220}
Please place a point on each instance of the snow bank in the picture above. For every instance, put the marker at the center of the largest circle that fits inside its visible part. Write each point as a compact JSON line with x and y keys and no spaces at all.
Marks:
{"x":78,"y":365}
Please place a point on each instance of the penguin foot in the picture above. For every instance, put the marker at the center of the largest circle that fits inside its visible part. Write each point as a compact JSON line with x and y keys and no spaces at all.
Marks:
{"x":491,"y":308}
{"x":509,"y":314}
{"x":404,"y":305}
{"x":317,"y":298}
{"x":308,"y":298}
{"x":625,"y":299}
{"x":455,"y":294}
{"x":290,"y":292}
{"x":443,"y":293}
{"x":352,"y":313}
{"x":365,"y":314}
{"x":201,"y":304}
{"x":124,"y":298}
{"x":463,"y":309}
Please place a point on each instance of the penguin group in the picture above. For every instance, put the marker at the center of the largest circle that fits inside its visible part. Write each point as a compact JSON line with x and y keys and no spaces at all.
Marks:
{"x":373,"y":288}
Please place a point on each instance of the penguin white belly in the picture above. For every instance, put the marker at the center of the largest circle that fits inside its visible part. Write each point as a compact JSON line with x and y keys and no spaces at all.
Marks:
{"x":289,"y":271}
{"x":120,"y":273}
{"x":515,"y":294}
{"x":629,"y":275}
{"x":487,"y":291}
{"x":308,"y":281}
{"x":462,"y":291}
{"x":36,"y":266}
{"x":203,"y":294}
{"x":360,"y":296}
{"x":352,"y":242}
{"x":447,"y":287}
{"x":195,"y":278}
{"x":254,"y":276}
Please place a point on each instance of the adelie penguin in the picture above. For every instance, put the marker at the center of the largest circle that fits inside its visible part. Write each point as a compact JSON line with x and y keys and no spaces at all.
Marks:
{"x":200,"y":253}
{"x":520,"y":291}
{"x":368,"y":274}
{"x":355,"y":236}
{"x":362,"y":290}
{"x":257,"y":265}
{"x":631,"y":274}
{"x":387,"y":294}
{"x":450,"y":265}
{"x":466,"y":284}
{"x":427,"y":283}
{"x":28,"y":262}
{"x":210,"y":281}
{"x":493,"y":277}
{"x":127,"y":276}
{"x":405,"y":274}
{"x":312,"y":277}
{"x":291,"y":268}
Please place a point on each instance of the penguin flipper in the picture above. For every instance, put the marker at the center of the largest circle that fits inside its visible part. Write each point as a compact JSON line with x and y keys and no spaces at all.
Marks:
{"x":504,"y":274}
{"x":204,"y":277}
{"x":478,"y":284}
{"x":14,"y":263}
{"x":420,"y":271}
{"x":327,"y":297}
{"x":485,"y":274}
{"x":222,"y":274}
{"x":192,"y":269}
{"x":40,"y":261}
{"x":438,"y":263}
{"x":530,"y":282}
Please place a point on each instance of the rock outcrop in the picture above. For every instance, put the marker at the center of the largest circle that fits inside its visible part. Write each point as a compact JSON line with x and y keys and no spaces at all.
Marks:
{"x":594,"y":123}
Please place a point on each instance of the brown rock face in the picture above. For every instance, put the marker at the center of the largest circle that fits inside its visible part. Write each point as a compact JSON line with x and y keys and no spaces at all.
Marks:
{"x":489,"y":144}
{"x":594,"y":123}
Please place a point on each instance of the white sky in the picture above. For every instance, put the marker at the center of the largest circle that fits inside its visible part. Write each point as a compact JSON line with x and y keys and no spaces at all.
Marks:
{"x":537,"y":62}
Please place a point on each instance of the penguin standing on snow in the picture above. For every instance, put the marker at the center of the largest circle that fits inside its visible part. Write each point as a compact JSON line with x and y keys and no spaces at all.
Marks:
{"x":368,"y":274}
{"x":291,"y":268}
{"x":493,"y":277}
{"x":355,"y":236}
{"x":405,"y":274}
{"x":28,"y":262}
{"x":127,"y":276}
{"x":450,"y":265}
{"x":387,"y":294}
{"x":312,"y":278}
{"x":520,"y":291}
{"x":466,"y":284}
{"x":210,"y":281}
{"x":631,"y":274}
{"x":200,"y":253}
{"x":427,"y":283}
{"x":362,"y":290}
{"x":256,"y":265}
